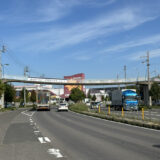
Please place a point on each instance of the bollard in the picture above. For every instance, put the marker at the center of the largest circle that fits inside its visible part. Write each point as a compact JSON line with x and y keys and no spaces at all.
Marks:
{"x":122,"y":112}
{"x":142,"y":113}
{"x":99,"y":109}
{"x":109,"y":110}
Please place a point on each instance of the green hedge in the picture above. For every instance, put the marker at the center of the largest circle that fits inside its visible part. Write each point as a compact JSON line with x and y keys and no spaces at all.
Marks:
{"x":79,"y":107}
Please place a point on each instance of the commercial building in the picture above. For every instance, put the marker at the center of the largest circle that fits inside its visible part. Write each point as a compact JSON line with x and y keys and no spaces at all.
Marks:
{"x":74,"y":78}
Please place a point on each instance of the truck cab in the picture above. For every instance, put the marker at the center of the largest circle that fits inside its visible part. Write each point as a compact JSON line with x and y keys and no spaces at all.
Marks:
{"x":130,"y":99}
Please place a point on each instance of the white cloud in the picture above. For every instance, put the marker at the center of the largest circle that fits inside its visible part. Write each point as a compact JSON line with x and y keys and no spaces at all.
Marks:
{"x":45,"y":11}
{"x":97,"y":3}
{"x":40,"y":11}
{"x":55,"y":38}
{"x":124,"y":46}
{"x":152,"y":53}
{"x":82,"y":58}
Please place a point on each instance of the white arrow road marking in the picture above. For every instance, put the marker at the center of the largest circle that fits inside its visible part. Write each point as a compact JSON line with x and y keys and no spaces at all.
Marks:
{"x":47,"y":139}
{"x":41,"y":139}
{"x":44,"y":139}
{"x":55,"y":152}
{"x":27,"y":114}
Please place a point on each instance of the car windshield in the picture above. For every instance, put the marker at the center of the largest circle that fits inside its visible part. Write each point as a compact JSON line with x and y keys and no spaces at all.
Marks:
{"x":62,"y":104}
{"x":130,"y":98}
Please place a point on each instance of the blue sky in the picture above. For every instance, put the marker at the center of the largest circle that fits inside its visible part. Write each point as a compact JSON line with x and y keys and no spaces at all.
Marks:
{"x":95,"y":37}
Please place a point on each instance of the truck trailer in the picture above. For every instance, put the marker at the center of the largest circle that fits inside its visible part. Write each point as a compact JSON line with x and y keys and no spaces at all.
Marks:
{"x":126,"y":98}
{"x":43,"y":100}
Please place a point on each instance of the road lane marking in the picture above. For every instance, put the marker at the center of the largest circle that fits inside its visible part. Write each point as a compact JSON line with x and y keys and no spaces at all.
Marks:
{"x":27,"y":114}
{"x":41,"y":139}
{"x":44,"y":139}
{"x":36,"y":132}
{"x":55,"y":152}
{"x":47,"y":139}
{"x":34,"y":127}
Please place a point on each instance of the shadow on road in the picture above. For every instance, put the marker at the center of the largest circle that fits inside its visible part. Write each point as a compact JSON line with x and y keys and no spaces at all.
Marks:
{"x":156,"y":146}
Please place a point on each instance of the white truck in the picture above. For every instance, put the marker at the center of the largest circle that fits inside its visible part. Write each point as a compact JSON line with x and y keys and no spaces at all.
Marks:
{"x":43,"y":100}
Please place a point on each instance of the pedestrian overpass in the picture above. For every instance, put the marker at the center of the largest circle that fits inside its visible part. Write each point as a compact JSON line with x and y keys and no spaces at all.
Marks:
{"x":55,"y":81}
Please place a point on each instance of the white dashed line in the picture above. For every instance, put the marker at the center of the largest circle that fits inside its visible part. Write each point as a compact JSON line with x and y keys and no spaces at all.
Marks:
{"x":47,"y":139}
{"x":41,"y":139}
{"x":44,"y":139}
{"x":55,"y":152}
{"x":34,"y":127}
{"x":36,"y":132}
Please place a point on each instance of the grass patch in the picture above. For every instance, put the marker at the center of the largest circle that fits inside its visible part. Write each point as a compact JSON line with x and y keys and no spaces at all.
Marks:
{"x":148,"y":108}
{"x":78,"y":107}
{"x":7,"y":109}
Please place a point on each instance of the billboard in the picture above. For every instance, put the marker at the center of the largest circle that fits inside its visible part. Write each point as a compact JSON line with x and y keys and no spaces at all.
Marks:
{"x":73,"y":78}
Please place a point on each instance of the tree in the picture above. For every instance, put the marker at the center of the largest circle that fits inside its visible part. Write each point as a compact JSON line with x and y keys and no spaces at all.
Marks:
{"x":2,"y":88}
{"x":22,"y":95}
{"x":77,"y":95}
{"x":137,"y":88}
{"x":155,"y":91}
{"x":94,"y":98}
{"x":107,"y":98}
{"x":89,"y":96}
{"x":102,"y":98}
{"x":33,"y":96}
{"x":9,"y":93}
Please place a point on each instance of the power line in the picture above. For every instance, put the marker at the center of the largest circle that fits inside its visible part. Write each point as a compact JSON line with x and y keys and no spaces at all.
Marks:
{"x":17,"y":62}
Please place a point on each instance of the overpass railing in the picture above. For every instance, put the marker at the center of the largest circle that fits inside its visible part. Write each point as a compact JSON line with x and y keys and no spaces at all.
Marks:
{"x":65,"y":81}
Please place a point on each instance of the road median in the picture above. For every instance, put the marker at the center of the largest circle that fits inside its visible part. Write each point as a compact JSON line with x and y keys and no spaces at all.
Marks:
{"x":83,"y":109}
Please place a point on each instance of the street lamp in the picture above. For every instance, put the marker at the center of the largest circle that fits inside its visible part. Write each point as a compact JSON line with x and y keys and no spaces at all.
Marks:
{"x":3,"y":68}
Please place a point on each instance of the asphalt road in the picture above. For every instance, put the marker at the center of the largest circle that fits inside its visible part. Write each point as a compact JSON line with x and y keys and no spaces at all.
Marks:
{"x":28,"y":135}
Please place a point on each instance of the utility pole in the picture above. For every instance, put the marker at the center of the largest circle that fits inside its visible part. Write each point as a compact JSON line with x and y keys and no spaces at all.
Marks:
{"x":117,"y":80}
{"x":25,"y":71}
{"x":149,"y":83}
{"x":125,"y":75}
{"x":2,"y":51}
{"x":148,"y":77}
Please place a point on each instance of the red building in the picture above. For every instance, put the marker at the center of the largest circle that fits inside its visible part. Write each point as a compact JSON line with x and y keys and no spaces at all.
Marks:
{"x":74,"y":78}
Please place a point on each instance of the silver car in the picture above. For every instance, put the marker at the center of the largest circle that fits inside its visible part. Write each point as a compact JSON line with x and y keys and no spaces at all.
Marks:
{"x":62,"y":107}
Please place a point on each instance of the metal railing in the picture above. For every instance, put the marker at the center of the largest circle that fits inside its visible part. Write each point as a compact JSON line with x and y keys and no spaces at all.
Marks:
{"x":78,"y":82}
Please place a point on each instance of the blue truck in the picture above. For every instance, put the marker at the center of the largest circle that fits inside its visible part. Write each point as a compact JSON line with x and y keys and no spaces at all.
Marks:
{"x":126,"y":98}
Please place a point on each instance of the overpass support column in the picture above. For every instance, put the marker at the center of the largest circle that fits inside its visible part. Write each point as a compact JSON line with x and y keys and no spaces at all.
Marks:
{"x":2,"y":97}
{"x":146,"y":95}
